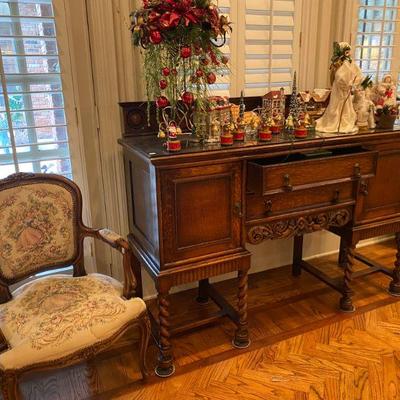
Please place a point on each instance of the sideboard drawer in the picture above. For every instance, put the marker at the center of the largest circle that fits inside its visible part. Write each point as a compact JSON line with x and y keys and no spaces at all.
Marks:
{"x":261,"y":207}
{"x":284,"y":174}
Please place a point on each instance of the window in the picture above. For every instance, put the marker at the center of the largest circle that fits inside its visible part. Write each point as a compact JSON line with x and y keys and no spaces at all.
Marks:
{"x":33,"y":125}
{"x":376,"y":38}
{"x":261,"y":47}
{"x":269,"y":45}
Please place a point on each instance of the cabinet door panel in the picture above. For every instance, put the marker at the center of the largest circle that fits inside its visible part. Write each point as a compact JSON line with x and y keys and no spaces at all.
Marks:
{"x":200,"y":207}
{"x":383,"y":199}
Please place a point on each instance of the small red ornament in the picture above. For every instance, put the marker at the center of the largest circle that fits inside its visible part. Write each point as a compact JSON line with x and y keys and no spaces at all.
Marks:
{"x":163,"y":84}
{"x":239,"y":134}
{"x":199,"y":73}
{"x":155,"y":37}
{"x":186,"y":52}
{"x":211,"y":78}
{"x":165,"y":71}
{"x":188,"y":98}
{"x":300,"y":132}
{"x":226,"y":139}
{"x":162,"y":102}
{"x":275,"y":129}
{"x":224,"y":60}
{"x":205,"y":61}
{"x":264,"y":135}
{"x":174,"y":72}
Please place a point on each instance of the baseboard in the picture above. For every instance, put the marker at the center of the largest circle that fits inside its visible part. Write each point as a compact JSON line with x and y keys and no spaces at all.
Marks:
{"x":364,"y":243}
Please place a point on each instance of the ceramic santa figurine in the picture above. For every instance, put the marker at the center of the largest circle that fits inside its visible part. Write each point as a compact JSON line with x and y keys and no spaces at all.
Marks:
{"x":340,"y":115}
{"x":385,"y":91}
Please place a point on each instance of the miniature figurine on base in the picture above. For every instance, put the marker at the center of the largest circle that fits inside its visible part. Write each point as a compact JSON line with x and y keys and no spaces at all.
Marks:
{"x":227,"y":137}
{"x":173,"y":143}
{"x":289,"y":123}
{"x":365,"y":110}
{"x":273,"y":127}
{"x":239,"y":133}
{"x":300,"y":131}
{"x":264,"y":133}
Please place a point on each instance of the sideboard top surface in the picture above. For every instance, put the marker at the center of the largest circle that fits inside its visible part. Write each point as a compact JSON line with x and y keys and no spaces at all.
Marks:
{"x":153,"y":149}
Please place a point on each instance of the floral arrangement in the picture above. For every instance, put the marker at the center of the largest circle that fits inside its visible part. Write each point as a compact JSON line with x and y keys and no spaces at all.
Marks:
{"x":181,"y":42}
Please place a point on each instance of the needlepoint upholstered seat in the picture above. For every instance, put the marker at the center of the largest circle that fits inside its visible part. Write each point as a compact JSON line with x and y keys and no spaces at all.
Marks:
{"x":58,"y":320}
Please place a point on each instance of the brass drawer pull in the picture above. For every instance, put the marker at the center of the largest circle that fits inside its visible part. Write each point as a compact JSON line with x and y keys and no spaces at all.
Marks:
{"x":364,"y":188}
{"x":238,"y":210}
{"x":286,"y":183}
{"x":336,"y":197}
{"x":268,"y":206}
{"x":357,"y":170}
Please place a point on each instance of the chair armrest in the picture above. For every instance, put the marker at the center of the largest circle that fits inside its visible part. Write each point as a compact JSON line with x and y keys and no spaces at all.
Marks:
{"x":113,"y":239}
{"x":119,"y":243}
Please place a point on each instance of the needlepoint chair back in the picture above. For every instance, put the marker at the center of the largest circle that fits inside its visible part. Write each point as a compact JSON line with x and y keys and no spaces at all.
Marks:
{"x":40,"y":226}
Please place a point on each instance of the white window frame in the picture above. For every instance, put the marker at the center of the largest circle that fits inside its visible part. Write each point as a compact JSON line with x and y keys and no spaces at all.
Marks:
{"x":353,"y":27}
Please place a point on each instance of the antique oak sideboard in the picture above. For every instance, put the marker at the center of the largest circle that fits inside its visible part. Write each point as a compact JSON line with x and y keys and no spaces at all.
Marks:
{"x":191,"y":213}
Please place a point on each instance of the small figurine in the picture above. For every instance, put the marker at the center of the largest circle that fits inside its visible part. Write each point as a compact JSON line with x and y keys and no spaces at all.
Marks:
{"x":386,"y":90}
{"x":300,"y":131}
{"x":289,"y":124}
{"x":239,"y":133}
{"x":173,"y":143}
{"x":307,"y":121}
{"x":162,"y":130}
{"x":264,"y":133}
{"x":227,"y":137}
{"x":273,"y":127}
{"x":215,"y":130}
{"x":365,"y":110}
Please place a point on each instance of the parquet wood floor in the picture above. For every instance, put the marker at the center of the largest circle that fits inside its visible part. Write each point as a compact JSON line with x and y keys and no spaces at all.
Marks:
{"x":302,"y":348}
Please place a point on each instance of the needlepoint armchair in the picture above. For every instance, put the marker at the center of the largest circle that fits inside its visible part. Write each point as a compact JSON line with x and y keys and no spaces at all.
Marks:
{"x":58,"y":320}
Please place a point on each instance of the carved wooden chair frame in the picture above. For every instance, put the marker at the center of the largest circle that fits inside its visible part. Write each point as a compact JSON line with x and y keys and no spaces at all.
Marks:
{"x":9,"y":378}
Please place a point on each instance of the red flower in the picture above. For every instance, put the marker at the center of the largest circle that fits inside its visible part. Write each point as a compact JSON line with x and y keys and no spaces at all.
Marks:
{"x":169,"y":20}
{"x":155,"y":37}
{"x":153,"y":17}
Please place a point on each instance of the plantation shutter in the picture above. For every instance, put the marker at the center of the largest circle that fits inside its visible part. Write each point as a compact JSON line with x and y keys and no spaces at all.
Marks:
{"x":33,"y":126}
{"x":377,"y":38}
{"x":269,"y":45}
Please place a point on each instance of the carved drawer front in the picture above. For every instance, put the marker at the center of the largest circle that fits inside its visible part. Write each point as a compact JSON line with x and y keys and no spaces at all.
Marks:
{"x":264,"y":207}
{"x":295,"y":171}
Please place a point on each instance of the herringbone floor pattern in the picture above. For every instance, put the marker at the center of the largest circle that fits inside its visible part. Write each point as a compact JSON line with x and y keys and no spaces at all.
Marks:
{"x":358,"y":358}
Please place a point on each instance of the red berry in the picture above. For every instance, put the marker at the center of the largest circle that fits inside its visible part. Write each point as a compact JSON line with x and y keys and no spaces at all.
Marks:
{"x":224,"y":60}
{"x":188,"y":98}
{"x":163,"y":84}
{"x":155,"y":37}
{"x":186,"y":52}
{"x":211,"y":78}
{"x":174,"y":72}
{"x":199,"y":73}
{"x":165,"y":71}
{"x":205,"y":61}
{"x":162,"y":102}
